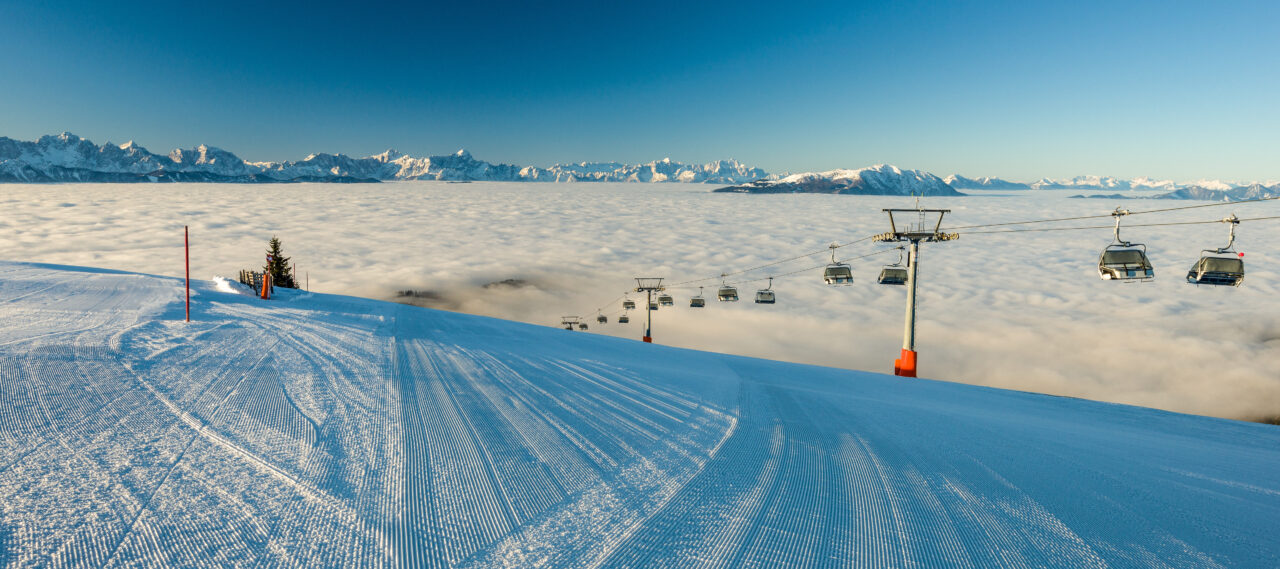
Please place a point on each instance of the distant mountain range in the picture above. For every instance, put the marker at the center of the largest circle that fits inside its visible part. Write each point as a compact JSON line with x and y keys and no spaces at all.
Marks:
{"x":1250,"y":192}
{"x":1093,"y":183}
{"x":880,"y":179}
{"x":70,"y":158}
{"x":962,"y":183}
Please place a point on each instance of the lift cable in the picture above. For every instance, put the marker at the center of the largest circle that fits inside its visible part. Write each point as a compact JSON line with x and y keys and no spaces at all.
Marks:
{"x":1161,"y":210}
{"x":683,"y":284}
{"x":1109,"y":227}
{"x":825,"y":250}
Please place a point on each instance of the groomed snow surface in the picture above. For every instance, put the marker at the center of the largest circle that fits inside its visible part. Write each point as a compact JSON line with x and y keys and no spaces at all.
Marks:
{"x":317,"y":430}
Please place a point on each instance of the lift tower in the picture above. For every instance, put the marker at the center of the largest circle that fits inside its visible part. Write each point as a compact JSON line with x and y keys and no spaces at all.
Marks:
{"x":926,"y":228}
{"x":648,"y":285}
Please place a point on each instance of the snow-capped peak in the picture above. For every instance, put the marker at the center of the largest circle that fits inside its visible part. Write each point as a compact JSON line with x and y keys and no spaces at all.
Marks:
{"x":388,"y":155}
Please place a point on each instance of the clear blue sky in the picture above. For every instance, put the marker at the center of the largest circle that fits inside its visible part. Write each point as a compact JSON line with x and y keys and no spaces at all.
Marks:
{"x":1016,"y":89}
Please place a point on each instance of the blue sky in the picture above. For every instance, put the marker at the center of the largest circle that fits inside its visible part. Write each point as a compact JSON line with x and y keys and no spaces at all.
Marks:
{"x":1020,"y":90}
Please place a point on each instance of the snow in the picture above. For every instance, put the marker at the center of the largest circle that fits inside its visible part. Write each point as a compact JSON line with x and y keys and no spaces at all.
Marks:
{"x":990,"y":304}
{"x":68,"y":157}
{"x":881,"y":179}
{"x":322,"y":430}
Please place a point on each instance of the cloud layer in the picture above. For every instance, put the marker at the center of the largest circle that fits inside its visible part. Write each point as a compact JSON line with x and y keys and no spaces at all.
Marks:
{"x":1016,"y":310}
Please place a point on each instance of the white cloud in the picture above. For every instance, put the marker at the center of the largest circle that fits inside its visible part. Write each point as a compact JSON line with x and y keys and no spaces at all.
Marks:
{"x":1019,"y":310}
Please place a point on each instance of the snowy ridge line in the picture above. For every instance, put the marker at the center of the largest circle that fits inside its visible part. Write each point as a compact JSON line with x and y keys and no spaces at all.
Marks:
{"x":70,"y":158}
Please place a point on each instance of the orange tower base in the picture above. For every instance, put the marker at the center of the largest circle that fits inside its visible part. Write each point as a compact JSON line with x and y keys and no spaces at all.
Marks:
{"x":648,"y":339}
{"x":905,"y":366}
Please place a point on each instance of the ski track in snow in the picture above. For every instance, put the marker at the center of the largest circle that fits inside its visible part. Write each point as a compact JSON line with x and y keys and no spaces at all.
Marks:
{"x":317,"y":430}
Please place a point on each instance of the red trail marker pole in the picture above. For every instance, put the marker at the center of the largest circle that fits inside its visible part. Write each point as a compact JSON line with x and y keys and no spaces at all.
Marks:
{"x":186,"y":249}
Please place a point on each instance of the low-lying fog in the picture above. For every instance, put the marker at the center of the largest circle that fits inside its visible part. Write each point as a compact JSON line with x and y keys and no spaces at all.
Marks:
{"x":1016,"y":310}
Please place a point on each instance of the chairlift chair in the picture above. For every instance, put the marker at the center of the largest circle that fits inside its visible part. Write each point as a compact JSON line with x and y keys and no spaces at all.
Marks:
{"x":666,"y":300}
{"x":624,"y":319}
{"x":698,"y":301}
{"x":726,"y":293}
{"x":1221,"y":266}
{"x":582,"y":325}
{"x":653,"y":306}
{"x":627,"y":303}
{"x":1122,"y":260}
{"x":602,"y":319}
{"x":837,"y":273}
{"x":894,"y":274}
{"x":765,"y":295}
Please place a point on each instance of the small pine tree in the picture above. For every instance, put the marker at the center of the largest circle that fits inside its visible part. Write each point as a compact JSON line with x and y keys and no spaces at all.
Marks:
{"x":278,"y":265}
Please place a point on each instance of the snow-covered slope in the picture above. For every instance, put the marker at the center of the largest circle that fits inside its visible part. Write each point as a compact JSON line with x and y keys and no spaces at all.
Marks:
{"x":316,"y":430}
{"x":983,"y":183}
{"x":880,"y":179}
{"x":69,"y":158}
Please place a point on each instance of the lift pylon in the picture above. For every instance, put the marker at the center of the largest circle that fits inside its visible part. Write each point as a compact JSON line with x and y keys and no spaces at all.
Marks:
{"x":649,"y":285}
{"x":926,"y":228}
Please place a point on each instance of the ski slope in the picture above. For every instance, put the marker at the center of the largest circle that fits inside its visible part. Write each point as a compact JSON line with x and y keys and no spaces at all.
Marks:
{"x":318,"y":431}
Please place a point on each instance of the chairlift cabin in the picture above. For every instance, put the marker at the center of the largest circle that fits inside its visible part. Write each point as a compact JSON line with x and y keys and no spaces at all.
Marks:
{"x":1122,"y":260}
{"x":624,"y":319}
{"x":653,"y":306}
{"x":1217,"y":270}
{"x":837,"y":273}
{"x":895,"y":274}
{"x":666,"y":300}
{"x":1222,"y":266}
{"x":726,"y":292}
{"x":765,"y":295}
{"x":602,"y":319}
{"x":629,"y":304}
{"x":892,"y":275}
{"x":698,"y":301}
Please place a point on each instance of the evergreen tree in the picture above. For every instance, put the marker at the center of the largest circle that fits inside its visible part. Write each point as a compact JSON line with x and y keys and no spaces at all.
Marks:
{"x":278,"y":265}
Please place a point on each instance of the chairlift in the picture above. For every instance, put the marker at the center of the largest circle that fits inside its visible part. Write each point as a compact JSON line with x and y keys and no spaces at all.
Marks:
{"x":627,"y":303}
{"x":726,"y":293}
{"x":666,"y":300}
{"x":653,"y":306}
{"x":568,"y":322}
{"x":624,"y":319}
{"x":894,"y":274}
{"x":837,"y":273}
{"x":582,"y":325}
{"x":1122,"y":260}
{"x":698,"y":301}
{"x":601,"y":319}
{"x":1221,"y":266}
{"x":765,"y":295}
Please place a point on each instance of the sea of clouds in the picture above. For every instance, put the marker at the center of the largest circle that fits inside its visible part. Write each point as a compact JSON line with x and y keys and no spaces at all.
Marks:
{"x":1014,"y":310}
